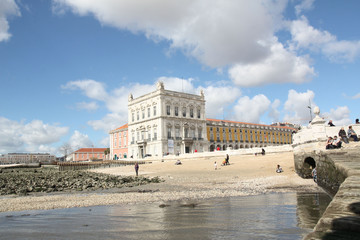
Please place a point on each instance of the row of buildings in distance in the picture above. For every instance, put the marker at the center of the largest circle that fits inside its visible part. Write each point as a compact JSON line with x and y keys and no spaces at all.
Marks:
{"x":166,"y":122}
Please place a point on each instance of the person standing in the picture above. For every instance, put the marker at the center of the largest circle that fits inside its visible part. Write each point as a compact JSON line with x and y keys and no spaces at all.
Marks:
{"x":314,"y":174}
{"x":215,"y":165}
{"x":136,"y":169}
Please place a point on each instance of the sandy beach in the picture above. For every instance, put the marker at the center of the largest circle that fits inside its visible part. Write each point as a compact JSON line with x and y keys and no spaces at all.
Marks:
{"x":192,"y":180}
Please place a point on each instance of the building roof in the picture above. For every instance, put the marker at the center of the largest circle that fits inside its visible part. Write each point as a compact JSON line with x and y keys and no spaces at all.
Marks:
{"x":123,"y":127}
{"x":256,"y":124}
{"x":89,"y":150}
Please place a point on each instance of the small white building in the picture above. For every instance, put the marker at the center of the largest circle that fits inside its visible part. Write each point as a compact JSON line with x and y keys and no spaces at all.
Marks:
{"x":166,"y":122}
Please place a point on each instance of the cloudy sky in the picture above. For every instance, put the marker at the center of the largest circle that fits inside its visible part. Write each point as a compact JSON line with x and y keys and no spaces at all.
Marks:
{"x":68,"y":66}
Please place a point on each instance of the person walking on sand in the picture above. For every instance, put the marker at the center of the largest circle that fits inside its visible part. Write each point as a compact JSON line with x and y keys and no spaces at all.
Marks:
{"x":215,"y":165}
{"x":137,"y":169}
{"x":227,"y":160}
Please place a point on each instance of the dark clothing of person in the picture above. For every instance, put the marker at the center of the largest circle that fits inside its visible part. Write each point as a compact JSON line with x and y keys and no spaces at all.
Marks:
{"x":331,"y":124}
{"x":136,"y":168}
{"x":227,"y":159}
{"x":343,"y":136}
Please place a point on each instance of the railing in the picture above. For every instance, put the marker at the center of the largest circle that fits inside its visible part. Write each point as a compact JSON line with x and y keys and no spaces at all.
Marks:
{"x":72,"y":166}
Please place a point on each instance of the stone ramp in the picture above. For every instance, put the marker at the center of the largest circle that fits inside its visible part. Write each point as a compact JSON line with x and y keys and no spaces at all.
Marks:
{"x":341,"y":220}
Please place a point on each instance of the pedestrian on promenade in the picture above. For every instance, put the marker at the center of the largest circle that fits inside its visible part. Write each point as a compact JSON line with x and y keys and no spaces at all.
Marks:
{"x":215,"y":165}
{"x":137,"y":168}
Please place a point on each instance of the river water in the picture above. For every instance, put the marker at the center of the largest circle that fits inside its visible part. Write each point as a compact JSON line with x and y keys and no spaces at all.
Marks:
{"x":267,"y":216}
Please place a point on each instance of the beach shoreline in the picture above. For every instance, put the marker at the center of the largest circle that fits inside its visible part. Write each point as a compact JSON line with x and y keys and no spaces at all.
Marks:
{"x":194,"y":179}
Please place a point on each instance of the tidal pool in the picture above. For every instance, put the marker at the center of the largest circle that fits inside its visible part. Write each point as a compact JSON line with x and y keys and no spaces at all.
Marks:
{"x":267,"y":216}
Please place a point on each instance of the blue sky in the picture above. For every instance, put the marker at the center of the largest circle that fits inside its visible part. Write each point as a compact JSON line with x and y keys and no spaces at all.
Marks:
{"x":68,"y":66}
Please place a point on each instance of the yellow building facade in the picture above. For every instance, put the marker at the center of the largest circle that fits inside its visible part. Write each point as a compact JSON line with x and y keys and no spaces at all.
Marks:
{"x":223,"y":134}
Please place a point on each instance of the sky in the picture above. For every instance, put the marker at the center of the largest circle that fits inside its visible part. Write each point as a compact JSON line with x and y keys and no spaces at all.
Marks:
{"x":68,"y":66}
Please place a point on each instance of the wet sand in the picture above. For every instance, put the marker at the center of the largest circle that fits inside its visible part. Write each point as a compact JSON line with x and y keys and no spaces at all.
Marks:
{"x":194,"y":179}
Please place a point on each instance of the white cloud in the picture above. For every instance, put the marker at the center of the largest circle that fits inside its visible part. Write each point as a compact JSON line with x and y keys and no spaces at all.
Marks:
{"x":35,"y":136}
{"x":79,"y":140}
{"x":274,"y":113}
{"x":340,"y":116}
{"x":307,"y":37}
{"x":304,"y":5}
{"x":92,"y":89}
{"x":356,"y":96}
{"x":215,"y":32}
{"x":7,"y":8}
{"x":218,"y":98}
{"x":281,"y":66}
{"x":250,"y":110}
{"x":296,"y":106}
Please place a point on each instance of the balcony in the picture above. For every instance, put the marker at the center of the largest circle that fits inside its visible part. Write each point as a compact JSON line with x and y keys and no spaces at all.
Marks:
{"x":142,"y":141}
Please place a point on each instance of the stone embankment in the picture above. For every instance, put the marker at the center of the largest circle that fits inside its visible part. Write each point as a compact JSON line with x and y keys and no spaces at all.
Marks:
{"x":338,"y":173}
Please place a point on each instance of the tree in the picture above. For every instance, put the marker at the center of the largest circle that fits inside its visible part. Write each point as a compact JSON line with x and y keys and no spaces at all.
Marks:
{"x":66,"y":150}
{"x":107,"y":152}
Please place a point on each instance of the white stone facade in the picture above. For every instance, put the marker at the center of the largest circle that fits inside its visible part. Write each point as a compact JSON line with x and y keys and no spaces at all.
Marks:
{"x":166,"y":122}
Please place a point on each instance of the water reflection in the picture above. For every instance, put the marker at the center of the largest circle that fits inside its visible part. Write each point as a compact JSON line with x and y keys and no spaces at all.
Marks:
{"x":310,"y":207}
{"x":269,"y":216}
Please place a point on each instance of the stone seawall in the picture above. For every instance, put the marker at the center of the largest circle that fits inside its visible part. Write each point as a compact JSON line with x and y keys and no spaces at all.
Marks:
{"x":339,"y":174}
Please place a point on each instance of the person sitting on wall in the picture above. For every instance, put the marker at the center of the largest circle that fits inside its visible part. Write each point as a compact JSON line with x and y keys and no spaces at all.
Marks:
{"x":357,"y":121}
{"x":279,"y":169}
{"x":343,"y":136}
{"x":352,"y":134}
{"x":178,"y":162}
{"x":331,"y":124}
{"x":329,"y":144}
{"x":336,"y":142}
{"x":263,"y":151}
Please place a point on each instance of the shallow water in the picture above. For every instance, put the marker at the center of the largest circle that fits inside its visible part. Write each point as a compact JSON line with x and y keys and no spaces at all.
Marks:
{"x":268,"y":216}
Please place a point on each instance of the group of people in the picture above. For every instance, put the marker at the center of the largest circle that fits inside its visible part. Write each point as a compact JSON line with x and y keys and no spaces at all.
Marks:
{"x":335,"y":142}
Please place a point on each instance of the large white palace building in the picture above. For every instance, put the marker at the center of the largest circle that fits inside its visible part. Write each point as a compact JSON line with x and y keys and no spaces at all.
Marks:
{"x":166,"y":122}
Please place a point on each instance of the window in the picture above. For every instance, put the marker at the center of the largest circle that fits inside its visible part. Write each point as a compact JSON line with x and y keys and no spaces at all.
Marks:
{"x":191,"y":112}
{"x":137,"y":136}
{"x":186,"y":132}
{"x":176,"y":111}
{"x":168,"y":110}
{"x":177,"y":132}
{"x":143,"y":114}
{"x":155,"y":134}
{"x":148,"y":112}
{"x":132,"y":117}
{"x":184,"y":111}
{"x":192,"y":132}
{"x":133,"y":138}
{"x":154,"y":110}
{"x":149,"y":136}
{"x":199,"y":133}
{"x":137,"y":115}
{"x":198,"y":113}
{"x":125,"y":139}
{"x":119,"y":139}
{"x":169,"y":132}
